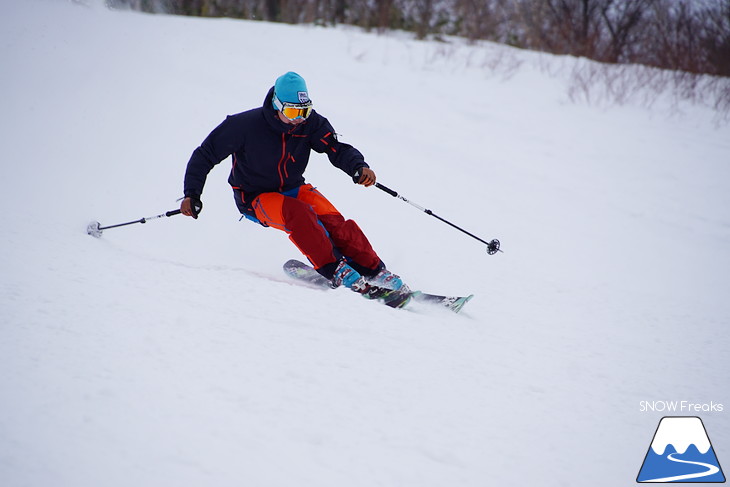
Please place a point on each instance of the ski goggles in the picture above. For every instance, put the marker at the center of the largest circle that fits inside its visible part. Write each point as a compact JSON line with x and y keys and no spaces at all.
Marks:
{"x":293,"y":111}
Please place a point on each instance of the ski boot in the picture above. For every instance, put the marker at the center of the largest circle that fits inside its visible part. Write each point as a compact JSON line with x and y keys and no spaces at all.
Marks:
{"x":388,"y":280}
{"x":346,"y":275}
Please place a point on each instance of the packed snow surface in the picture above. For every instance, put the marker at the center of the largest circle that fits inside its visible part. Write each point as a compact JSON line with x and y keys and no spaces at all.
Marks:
{"x":178,"y":353}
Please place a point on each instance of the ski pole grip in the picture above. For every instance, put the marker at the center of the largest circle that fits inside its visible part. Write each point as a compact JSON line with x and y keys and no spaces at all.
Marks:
{"x":386,"y":189}
{"x":172,"y":212}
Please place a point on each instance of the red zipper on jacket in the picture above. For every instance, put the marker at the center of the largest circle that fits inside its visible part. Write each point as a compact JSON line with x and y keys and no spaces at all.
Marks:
{"x":285,"y":157}
{"x":282,"y":162}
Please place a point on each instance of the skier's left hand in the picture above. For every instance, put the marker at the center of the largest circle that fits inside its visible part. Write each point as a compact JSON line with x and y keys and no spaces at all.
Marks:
{"x":367,"y":176}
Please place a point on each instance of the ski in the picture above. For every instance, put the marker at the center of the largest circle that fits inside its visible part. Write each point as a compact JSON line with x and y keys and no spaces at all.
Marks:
{"x":454,"y":303}
{"x":299,"y":270}
{"x":306,"y":273}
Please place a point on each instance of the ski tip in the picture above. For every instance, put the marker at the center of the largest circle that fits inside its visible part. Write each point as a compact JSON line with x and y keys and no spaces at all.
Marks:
{"x":453,"y":303}
{"x":457,"y":305}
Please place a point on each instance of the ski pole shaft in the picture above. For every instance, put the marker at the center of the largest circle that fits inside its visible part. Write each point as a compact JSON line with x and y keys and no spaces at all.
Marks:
{"x":143,"y":220}
{"x":492,"y":246}
{"x":95,"y":229}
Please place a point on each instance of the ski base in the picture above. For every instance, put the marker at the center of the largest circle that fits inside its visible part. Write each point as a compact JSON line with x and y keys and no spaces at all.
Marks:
{"x":301,"y":271}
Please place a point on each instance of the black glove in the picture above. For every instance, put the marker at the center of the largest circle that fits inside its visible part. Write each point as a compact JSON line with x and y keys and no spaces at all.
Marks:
{"x":364,"y":175}
{"x":196,"y":206}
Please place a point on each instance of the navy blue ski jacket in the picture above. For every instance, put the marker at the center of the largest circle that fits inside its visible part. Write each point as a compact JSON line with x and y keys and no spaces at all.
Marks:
{"x":268,"y":154}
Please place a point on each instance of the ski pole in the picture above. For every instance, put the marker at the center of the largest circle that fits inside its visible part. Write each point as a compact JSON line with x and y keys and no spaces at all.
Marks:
{"x":492,"y":246}
{"x":95,"y":229}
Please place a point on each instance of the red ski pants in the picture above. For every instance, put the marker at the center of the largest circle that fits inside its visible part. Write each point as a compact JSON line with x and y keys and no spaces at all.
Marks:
{"x":315,"y":226}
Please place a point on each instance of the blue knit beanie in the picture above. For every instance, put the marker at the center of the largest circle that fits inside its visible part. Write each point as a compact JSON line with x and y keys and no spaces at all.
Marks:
{"x":291,"y":88}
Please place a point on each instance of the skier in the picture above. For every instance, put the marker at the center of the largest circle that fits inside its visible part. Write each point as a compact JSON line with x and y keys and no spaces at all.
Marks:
{"x":270,"y":146}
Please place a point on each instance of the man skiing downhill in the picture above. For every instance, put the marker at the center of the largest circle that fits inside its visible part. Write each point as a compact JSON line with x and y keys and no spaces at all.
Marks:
{"x":270,"y":148}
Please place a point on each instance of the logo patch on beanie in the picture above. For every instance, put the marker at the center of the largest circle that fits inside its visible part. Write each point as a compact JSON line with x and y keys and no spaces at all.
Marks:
{"x":303,"y":96}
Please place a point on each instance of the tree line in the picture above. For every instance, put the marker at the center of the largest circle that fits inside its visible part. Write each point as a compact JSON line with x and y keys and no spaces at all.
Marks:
{"x":692,"y":36}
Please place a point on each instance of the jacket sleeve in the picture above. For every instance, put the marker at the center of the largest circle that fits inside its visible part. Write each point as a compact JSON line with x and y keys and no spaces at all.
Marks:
{"x":223,"y":141}
{"x":341,"y":155}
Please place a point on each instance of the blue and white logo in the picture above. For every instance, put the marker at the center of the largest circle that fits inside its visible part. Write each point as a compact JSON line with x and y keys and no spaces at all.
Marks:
{"x":681,"y":452}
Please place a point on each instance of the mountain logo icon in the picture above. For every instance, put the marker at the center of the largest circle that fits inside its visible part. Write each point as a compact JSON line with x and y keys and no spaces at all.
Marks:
{"x":681,"y":452}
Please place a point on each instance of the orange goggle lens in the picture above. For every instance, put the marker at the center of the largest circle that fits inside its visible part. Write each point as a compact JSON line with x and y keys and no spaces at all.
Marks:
{"x":292,"y":111}
{"x":297,"y":111}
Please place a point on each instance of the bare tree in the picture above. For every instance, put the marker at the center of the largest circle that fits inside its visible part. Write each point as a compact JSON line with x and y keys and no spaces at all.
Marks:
{"x":622,"y":21}
{"x":477,"y":19}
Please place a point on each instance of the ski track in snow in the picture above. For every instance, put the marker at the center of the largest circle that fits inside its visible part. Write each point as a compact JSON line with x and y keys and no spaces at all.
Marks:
{"x":178,"y":353}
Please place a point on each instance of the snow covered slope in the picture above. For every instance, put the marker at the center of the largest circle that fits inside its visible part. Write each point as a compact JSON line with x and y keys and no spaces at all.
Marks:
{"x":177,"y":353}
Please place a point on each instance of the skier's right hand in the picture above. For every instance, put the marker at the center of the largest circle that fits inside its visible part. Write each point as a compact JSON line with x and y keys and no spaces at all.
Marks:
{"x":191,"y":206}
